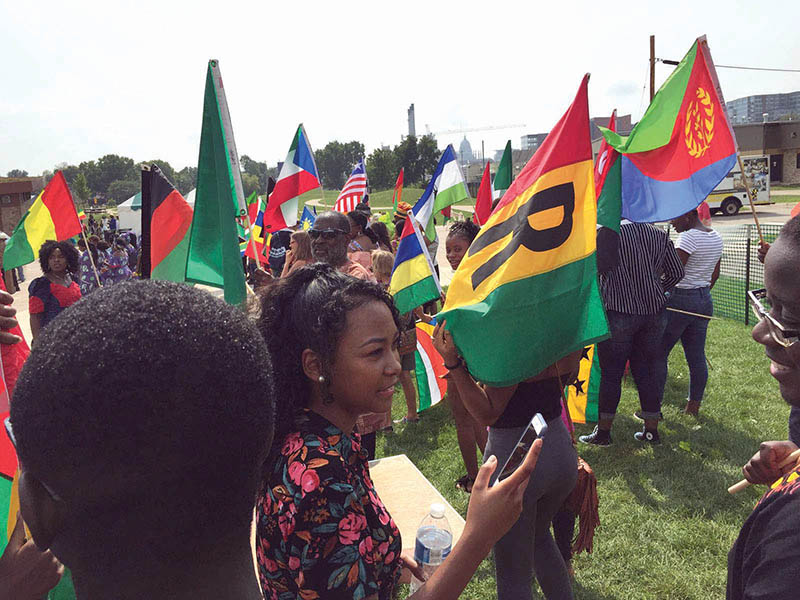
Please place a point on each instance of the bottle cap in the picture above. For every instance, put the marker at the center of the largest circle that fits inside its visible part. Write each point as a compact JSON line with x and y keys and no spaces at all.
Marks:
{"x":437,"y":510}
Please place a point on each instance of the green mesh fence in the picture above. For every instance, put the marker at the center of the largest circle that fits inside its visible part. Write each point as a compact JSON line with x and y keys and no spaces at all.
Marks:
{"x":740,"y":269}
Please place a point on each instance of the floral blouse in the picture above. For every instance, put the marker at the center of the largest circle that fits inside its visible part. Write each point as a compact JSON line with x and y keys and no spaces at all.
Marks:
{"x":322,"y":530}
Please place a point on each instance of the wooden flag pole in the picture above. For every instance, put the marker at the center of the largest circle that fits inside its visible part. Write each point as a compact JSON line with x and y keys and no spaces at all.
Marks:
{"x":738,"y":487}
{"x":91,"y":258}
{"x":750,"y":199}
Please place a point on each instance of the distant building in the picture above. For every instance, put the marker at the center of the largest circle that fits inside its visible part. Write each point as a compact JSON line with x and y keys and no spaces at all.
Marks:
{"x":15,"y":198}
{"x":623,"y":125}
{"x":751,"y":109}
{"x":780,"y":140}
{"x":532,"y":141}
{"x":465,"y":155}
{"x":412,"y":125}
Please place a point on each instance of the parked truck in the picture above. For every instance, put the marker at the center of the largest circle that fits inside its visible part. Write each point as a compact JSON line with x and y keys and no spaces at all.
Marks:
{"x":730,"y":195}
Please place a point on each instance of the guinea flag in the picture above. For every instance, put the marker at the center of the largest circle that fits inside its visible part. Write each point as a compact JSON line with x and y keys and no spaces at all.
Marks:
{"x":683,"y":146}
{"x":526,"y":293}
{"x":52,"y":216}
{"x":166,"y":221}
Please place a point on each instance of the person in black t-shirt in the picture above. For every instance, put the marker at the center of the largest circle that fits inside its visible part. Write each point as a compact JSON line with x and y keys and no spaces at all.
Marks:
{"x":765,"y":560}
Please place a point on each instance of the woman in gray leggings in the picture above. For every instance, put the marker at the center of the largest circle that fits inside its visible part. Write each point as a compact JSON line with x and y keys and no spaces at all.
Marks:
{"x":528,"y":548}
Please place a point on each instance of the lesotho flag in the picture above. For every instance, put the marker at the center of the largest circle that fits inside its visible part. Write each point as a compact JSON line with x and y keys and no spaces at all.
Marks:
{"x":526,"y":293}
{"x":683,"y":146}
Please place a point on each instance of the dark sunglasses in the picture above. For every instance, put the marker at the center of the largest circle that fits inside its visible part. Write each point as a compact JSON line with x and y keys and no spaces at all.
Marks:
{"x":327,"y":234}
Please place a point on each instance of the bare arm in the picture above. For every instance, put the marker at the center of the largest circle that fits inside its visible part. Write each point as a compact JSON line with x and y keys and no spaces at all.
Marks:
{"x":715,"y":274}
{"x":36,"y":324}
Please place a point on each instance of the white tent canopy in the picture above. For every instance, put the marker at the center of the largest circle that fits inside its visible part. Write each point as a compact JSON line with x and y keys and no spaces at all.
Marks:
{"x":130,"y":212}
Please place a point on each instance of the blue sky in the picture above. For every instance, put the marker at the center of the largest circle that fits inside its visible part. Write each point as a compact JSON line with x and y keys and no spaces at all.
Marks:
{"x":83,"y":79}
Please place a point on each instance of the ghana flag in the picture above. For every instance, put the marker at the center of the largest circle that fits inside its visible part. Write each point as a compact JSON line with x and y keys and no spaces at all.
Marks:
{"x":166,"y":221}
{"x":683,"y":146}
{"x":526,"y":293}
{"x":52,"y":216}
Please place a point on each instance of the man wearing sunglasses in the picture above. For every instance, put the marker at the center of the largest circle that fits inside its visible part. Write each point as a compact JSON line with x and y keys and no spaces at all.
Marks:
{"x":765,"y":560}
{"x":329,"y":238}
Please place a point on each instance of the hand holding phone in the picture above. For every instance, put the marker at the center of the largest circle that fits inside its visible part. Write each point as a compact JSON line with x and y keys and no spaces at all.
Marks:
{"x":537,"y":428}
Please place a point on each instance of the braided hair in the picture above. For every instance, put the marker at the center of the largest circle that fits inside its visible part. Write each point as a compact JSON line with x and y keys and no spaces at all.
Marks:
{"x":308,"y":310}
{"x":466,"y":229}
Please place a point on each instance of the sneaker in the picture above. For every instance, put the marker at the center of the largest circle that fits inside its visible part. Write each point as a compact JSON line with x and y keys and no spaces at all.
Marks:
{"x":647,"y":435}
{"x":598,"y":437}
{"x":638,"y":415}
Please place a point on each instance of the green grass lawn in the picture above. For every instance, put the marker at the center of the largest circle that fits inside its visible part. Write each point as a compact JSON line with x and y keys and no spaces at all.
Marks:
{"x":667,"y":519}
{"x":377,"y":200}
{"x":788,"y":199}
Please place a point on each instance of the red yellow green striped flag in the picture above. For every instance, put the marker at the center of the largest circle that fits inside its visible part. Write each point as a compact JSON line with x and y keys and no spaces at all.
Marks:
{"x":52,"y":216}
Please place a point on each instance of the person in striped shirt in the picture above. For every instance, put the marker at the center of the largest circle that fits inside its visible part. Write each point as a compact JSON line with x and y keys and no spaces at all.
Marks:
{"x":633,"y":283}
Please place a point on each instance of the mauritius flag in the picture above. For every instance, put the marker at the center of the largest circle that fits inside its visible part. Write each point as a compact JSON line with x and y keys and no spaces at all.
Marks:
{"x":683,"y":146}
{"x":526,"y":293}
{"x":298,"y":175}
{"x":414,"y":280}
{"x":52,"y":216}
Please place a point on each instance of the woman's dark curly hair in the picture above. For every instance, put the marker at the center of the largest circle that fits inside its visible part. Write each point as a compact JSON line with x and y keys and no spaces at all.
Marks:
{"x":465,"y":229}
{"x":67,"y":249}
{"x":308,"y":309}
{"x":381,"y":233}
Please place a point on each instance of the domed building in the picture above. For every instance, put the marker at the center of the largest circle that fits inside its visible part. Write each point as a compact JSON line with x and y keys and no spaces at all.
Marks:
{"x":465,"y":152}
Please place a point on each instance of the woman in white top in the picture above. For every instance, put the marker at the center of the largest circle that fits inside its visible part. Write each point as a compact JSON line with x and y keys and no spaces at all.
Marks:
{"x":700,"y":250}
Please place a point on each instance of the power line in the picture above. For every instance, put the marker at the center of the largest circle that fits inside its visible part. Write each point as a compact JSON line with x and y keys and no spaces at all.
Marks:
{"x":675,"y":63}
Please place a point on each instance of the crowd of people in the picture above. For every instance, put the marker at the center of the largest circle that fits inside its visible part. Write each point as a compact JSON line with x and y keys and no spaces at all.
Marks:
{"x":117,"y":486}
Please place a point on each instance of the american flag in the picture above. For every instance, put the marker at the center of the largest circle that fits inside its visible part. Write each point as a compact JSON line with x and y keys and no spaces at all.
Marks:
{"x":354,"y":189}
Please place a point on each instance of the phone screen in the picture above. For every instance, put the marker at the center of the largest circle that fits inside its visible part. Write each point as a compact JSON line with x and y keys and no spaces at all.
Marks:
{"x":536,"y":428}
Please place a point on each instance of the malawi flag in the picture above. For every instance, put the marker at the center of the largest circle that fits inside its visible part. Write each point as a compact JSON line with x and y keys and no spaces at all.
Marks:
{"x":166,"y":221}
{"x":213,"y":257}
{"x":52,"y":216}
{"x":683,"y":146}
{"x":298,"y":175}
{"x":414,"y":280}
{"x":430,"y":369}
{"x":526,"y":293}
{"x":483,"y":203}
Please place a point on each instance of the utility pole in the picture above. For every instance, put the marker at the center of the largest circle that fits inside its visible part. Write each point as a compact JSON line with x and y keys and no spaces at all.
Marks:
{"x":652,"y":67}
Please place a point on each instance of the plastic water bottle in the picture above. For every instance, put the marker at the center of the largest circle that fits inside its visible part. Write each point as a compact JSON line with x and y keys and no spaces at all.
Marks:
{"x":434,"y":541}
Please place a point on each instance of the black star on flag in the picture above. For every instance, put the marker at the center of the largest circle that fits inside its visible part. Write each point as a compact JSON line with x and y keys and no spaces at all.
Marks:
{"x":579,"y":386}
{"x":585,"y":353}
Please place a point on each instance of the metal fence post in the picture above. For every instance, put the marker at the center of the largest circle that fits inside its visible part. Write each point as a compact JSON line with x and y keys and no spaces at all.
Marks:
{"x":747,"y":277}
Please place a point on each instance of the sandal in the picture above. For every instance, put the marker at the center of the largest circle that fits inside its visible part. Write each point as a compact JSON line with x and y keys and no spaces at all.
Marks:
{"x":465,"y":483}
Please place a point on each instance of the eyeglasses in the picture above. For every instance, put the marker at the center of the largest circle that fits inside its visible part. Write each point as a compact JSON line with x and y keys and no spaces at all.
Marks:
{"x":783,"y":336}
{"x":10,"y":434}
{"x":327,"y":234}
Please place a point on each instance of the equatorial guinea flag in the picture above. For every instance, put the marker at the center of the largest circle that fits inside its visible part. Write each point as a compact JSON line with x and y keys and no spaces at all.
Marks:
{"x":526,"y":293}
{"x":683,"y":146}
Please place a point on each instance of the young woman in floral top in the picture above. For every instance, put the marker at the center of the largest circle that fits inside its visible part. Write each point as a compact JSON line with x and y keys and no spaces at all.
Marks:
{"x":322,"y":530}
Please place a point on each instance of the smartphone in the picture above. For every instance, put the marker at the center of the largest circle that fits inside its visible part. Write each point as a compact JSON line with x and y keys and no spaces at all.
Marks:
{"x":537,"y":428}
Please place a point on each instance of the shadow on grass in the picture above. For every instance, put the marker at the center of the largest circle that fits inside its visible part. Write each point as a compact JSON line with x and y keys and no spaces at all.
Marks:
{"x":417,"y":440}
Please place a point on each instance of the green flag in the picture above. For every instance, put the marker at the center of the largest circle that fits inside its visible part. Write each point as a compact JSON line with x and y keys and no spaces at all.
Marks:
{"x":502,"y":179}
{"x":214,"y":257}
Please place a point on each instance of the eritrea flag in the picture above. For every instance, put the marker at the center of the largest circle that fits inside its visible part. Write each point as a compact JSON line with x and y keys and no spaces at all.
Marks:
{"x":526,"y":293}
{"x":166,"y":221}
{"x":683,"y":146}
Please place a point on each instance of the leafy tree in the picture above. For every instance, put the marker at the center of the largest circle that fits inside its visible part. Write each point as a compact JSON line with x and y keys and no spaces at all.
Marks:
{"x":428,"y":157}
{"x":90,"y":170}
{"x":250,"y":184}
{"x":80,"y":188}
{"x":17,"y":173}
{"x":71,"y":174}
{"x":382,"y":169}
{"x":112,"y":168}
{"x":165,"y":167}
{"x":336,"y":160}
{"x":258,"y":169}
{"x":186,"y":180}
{"x":122,"y":189}
{"x":407,"y":156}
